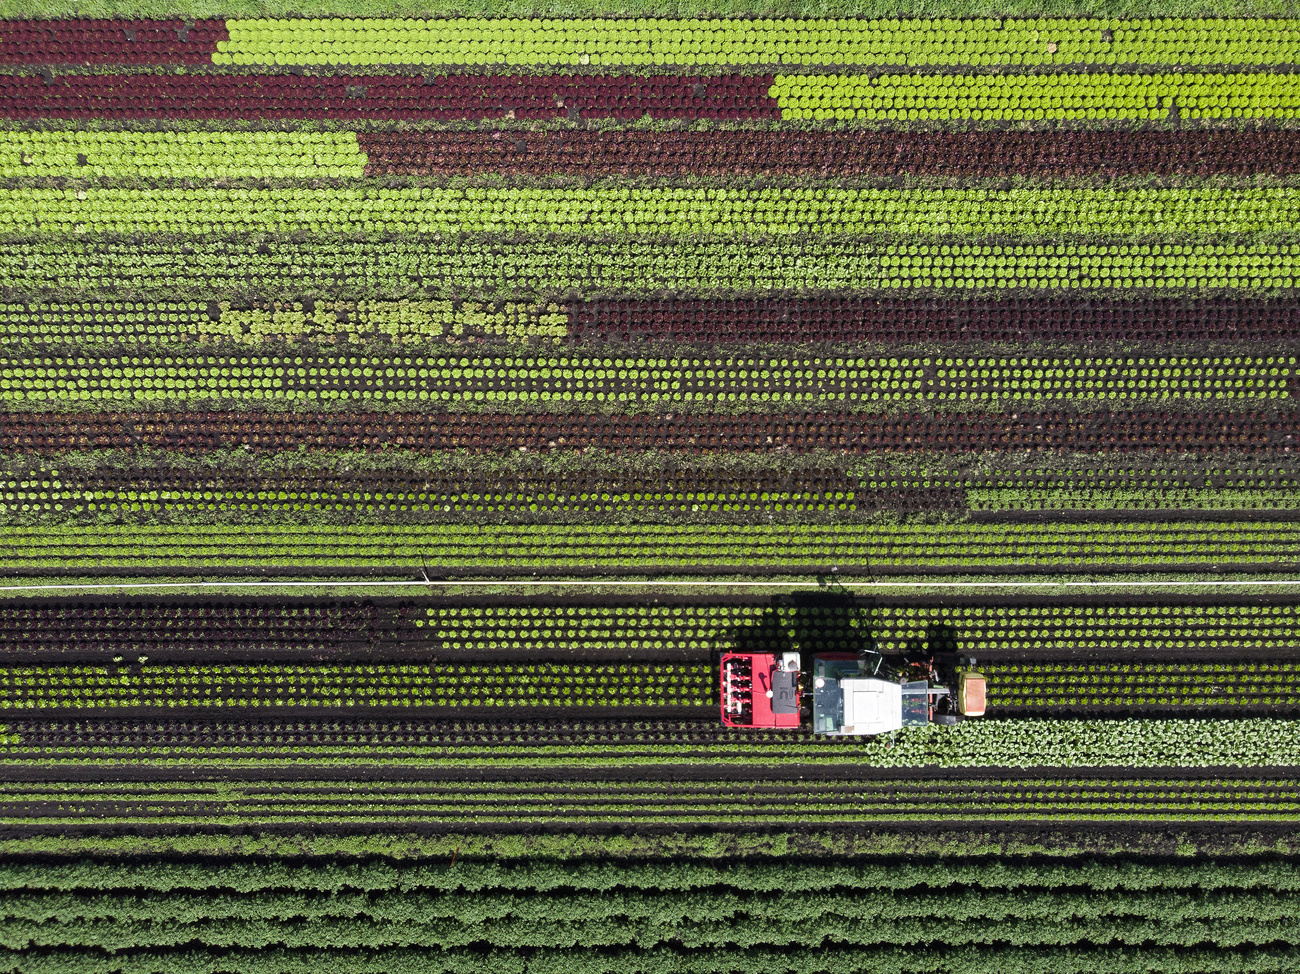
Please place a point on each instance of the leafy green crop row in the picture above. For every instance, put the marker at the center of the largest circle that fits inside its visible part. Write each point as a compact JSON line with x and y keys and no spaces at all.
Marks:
{"x":679,"y":875}
{"x":1160,"y":488}
{"x":629,"y":381}
{"x":188,"y":155}
{"x":1162,"y":908}
{"x":1134,"y":499}
{"x":608,"y":211}
{"x":405,"y":322}
{"x":438,"y":932}
{"x":354,"y":685}
{"x":1142,"y":684}
{"x":996,"y":743}
{"x":979,"y":959}
{"x":1036,"y":97}
{"x":66,"y":503}
{"x":526,"y":269}
{"x":486,"y":41}
{"x":581,"y":549}
{"x":976,"y":629}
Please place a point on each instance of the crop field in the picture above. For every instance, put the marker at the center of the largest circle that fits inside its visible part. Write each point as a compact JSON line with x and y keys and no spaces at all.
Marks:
{"x":403,"y":408}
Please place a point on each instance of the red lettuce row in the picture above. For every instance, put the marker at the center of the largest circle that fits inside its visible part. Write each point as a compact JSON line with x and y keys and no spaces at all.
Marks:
{"x":386,"y":96}
{"x":965,"y":154}
{"x":931,"y":319}
{"x":110,"y":41}
{"x":849,"y":432}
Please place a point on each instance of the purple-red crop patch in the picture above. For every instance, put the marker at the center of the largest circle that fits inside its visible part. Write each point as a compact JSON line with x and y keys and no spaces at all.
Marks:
{"x":386,"y":96}
{"x":110,"y":41}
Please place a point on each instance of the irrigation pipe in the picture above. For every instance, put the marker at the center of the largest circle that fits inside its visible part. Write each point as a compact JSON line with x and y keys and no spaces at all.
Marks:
{"x":553,"y":583}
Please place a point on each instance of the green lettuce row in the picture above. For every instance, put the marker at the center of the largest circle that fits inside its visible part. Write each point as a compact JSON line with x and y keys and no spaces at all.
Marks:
{"x":204,"y":503}
{"x":693,"y":631}
{"x":180,"y":155}
{"x":49,"y":488}
{"x":635,"y":381}
{"x":690,"y":212}
{"x":405,"y":322}
{"x":528,"y":269}
{"x":1020,"y":97}
{"x":1142,"y":684}
{"x":252,"y":685}
{"x":1156,"y":499}
{"x":584,"y":550}
{"x":1186,"y":742}
{"x":688,"y":42}
{"x":384,"y":804}
{"x":549,"y":684}
{"x":979,"y":630}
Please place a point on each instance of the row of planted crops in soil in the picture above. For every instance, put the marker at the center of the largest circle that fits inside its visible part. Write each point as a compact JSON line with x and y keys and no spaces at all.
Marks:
{"x":539,"y":915}
{"x":364,"y":686}
{"x":711,"y":802}
{"x":651,"y":549}
{"x":172,"y":490}
{"x":487,"y":304}
{"x":523,"y":632}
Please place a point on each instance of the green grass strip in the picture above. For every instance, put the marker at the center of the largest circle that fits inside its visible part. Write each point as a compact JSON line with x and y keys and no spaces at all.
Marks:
{"x":1009,"y":97}
{"x":520,"y":549}
{"x":610,"y":211}
{"x":536,"y":269}
{"x":711,"y":43}
{"x":187,"y":155}
{"x":626,"y":381}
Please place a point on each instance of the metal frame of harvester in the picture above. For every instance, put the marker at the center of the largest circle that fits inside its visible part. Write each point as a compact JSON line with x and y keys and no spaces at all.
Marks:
{"x":851,"y":693}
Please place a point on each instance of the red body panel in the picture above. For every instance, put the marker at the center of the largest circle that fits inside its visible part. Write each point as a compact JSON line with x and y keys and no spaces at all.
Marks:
{"x":745,"y":680}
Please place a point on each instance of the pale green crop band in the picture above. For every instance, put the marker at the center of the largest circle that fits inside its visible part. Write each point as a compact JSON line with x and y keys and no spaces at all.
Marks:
{"x":648,"y":42}
{"x":180,"y":155}
{"x":1072,"y":96}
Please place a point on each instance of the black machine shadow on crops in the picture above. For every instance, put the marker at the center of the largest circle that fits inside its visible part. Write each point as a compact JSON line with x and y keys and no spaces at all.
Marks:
{"x":827,"y":619}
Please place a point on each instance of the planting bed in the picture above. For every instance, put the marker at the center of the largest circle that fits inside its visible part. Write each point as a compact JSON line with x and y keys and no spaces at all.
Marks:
{"x":623,"y":342}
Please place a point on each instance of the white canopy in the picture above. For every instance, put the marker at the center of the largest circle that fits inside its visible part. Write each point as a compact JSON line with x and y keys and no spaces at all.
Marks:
{"x":871,"y":706}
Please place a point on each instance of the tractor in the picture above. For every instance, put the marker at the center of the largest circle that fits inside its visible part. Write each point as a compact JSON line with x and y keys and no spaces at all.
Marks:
{"x":850,"y":693}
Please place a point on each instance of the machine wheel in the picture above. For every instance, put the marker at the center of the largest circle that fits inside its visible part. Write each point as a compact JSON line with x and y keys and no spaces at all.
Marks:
{"x":946,"y":720}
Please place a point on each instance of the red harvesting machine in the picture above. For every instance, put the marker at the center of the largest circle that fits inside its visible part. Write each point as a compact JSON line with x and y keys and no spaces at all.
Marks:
{"x":852,"y":693}
{"x":760,"y":690}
